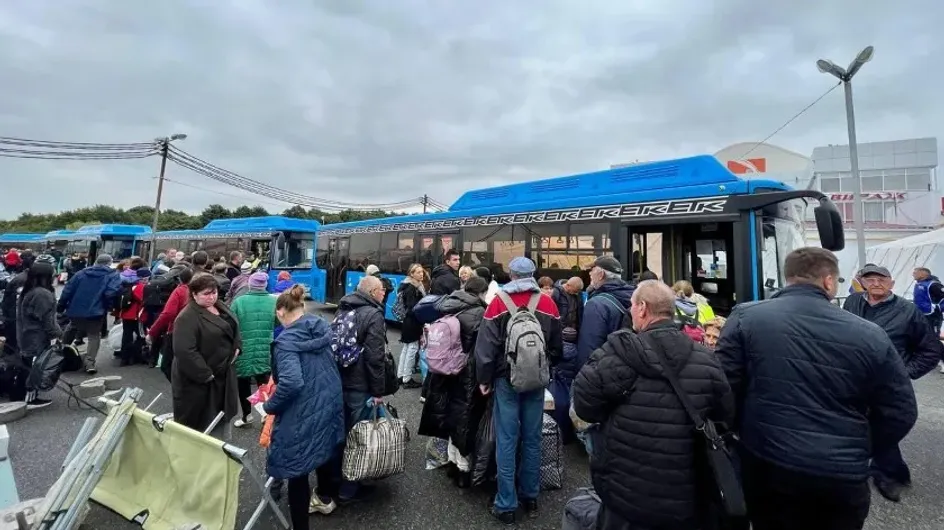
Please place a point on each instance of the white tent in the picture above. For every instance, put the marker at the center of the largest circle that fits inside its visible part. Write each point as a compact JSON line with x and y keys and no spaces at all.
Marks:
{"x":902,"y":256}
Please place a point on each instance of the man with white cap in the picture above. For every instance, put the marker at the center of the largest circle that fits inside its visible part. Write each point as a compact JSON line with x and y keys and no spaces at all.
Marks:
{"x":520,"y":330}
{"x":86,"y":300}
{"x":373,"y":270}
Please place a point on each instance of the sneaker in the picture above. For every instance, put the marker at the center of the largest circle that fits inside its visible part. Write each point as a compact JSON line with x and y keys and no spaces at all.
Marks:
{"x":243,"y":422}
{"x":505,"y":518}
{"x":91,"y":370}
{"x":530,"y":507}
{"x":38,"y":403}
{"x":422,"y":399}
{"x":318,"y":505}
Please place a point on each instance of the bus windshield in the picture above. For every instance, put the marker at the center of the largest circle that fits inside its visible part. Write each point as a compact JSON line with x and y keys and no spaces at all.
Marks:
{"x":118,"y":249}
{"x":297,"y":252}
{"x":783,"y":232}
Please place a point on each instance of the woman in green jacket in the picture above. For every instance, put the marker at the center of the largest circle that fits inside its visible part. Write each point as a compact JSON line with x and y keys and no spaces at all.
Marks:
{"x":255,"y":311}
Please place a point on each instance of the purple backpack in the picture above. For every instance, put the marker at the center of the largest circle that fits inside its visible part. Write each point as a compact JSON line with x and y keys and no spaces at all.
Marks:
{"x":444,"y":353}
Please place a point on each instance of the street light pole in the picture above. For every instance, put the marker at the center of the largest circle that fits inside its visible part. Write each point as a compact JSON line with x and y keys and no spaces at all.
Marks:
{"x":164,"y":145}
{"x":845,"y":77}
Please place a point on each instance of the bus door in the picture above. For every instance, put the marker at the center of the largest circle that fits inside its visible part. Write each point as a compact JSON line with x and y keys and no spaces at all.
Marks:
{"x":710,"y":265}
{"x":647,"y":251}
{"x":338,"y":251}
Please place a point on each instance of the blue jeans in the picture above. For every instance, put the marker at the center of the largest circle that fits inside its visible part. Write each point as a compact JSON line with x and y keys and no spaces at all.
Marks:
{"x":517,"y":416}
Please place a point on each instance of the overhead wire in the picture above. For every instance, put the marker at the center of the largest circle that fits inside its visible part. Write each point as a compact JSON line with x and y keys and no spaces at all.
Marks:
{"x":223,"y":193}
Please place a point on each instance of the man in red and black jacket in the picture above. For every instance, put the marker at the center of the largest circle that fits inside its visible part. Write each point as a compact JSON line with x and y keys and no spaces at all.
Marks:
{"x":517,"y":415}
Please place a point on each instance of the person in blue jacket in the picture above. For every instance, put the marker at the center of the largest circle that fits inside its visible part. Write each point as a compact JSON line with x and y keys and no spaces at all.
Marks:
{"x":607,"y":309}
{"x":86,"y":300}
{"x":308,"y":429}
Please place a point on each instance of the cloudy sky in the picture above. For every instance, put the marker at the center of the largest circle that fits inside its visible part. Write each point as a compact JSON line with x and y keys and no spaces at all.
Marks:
{"x":378,"y":101}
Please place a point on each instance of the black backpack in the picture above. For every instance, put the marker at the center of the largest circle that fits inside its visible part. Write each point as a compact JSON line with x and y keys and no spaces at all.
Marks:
{"x":126,"y":300}
{"x":158,"y":290}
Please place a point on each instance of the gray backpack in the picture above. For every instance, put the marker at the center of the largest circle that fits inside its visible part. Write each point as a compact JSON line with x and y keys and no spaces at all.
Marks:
{"x":581,"y":511}
{"x":525,"y":349}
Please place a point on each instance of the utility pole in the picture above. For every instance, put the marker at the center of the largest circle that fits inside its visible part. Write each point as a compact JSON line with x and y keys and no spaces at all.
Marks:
{"x":164,"y":144}
{"x":425,"y":202}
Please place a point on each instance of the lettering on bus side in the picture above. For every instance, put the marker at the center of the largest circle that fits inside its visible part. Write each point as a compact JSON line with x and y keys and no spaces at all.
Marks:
{"x":713,"y":205}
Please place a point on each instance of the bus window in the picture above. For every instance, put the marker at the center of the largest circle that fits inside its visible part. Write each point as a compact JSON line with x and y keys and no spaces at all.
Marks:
{"x":647,"y":253}
{"x":364,"y":250}
{"x":783,"y":232}
{"x":215,"y":248}
{"x":711,"y":259}
{"x":427,"y":248}
{"x":116,"y":248}
{"x":321,"y":253}
{"x":298,"y":252}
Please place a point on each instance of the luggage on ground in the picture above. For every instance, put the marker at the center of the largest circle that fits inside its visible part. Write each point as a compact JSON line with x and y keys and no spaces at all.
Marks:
{"x":552,"y":455}
{"x":581,"y":511}
{"x":376,"y":448}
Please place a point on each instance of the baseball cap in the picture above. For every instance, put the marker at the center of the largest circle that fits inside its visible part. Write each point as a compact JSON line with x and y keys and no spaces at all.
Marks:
{"x":372,"y":270}
{"x":609,"y":264}
{"x":521,"y":266}
{"x":871,"y":268}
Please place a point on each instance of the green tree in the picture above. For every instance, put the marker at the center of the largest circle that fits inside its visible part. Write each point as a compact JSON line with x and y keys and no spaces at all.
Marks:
{"x":214,"y":212}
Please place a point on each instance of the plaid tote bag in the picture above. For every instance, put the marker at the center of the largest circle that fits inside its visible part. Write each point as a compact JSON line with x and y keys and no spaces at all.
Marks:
{"x":376,"y":448}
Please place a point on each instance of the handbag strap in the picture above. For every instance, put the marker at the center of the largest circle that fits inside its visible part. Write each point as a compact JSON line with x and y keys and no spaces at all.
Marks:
{"x":669,"y":372}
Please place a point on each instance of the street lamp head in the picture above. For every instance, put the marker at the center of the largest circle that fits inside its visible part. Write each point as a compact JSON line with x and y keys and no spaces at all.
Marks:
{"x":831,"y":68}
{"x":178,"y":136}
{"x":863,"y":57}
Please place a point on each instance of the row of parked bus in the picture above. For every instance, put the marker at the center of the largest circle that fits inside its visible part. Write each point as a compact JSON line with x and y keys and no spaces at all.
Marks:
{"x":687,"y":219}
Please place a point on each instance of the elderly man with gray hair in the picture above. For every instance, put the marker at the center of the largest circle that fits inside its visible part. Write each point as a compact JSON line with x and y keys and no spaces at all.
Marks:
{"x":86,"y":300}
{"x":643,"y":463}
{"x":607,"y":307}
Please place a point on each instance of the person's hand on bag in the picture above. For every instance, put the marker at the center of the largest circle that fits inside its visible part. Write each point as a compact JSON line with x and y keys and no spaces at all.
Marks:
{"x":485,"y":389}
{"x":377,"y":400}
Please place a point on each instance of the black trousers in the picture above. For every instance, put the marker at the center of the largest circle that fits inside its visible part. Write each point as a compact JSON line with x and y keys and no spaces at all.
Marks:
{"x":167,"y":356}
{"x":934,"y":320}
{"x":131,"y":341}
{"x":782,"y":499}
{"x":299,"y":495}
{"x":244,"y":388}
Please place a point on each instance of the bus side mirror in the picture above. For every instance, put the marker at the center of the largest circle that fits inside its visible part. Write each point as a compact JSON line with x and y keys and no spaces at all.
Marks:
{"x":832,"y":236}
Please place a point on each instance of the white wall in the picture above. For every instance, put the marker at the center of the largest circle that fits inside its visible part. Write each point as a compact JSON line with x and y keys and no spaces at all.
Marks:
{"x":849,"y":256}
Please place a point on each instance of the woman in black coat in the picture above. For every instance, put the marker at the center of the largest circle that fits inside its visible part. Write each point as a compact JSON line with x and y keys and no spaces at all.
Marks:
{"x":454,"y":405}
{"x":206,"y":342}
{"x":411,"y":291}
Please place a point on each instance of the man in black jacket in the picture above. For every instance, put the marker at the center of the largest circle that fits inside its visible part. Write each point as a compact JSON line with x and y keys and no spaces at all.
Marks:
{"x":644,"y":466}
{"x":445,"y":278}
{"x":363,"y":380}
{"x":918,"y":346}
{"x":818,"y":392}
{"x":10,"y":292}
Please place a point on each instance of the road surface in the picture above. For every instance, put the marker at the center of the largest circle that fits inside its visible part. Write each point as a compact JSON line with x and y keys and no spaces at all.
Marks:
{"x":420,"y":499}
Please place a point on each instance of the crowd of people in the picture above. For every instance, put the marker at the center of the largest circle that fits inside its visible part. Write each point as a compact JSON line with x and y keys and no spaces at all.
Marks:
{"x":818,"y":396}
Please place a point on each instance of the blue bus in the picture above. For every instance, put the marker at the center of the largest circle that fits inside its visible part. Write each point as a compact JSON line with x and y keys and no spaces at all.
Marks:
{"x":687,"y":219}
{"x":118,"y":240}
{"x":33,"y":242}
{"x":280,"y":243}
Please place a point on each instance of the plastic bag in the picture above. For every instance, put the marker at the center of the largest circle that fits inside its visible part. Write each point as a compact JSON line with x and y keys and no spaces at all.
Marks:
{"x":437,"y":453}
{"x":424,"y":367}
{"x":114,"y":337}
{"x":483,"y":465}
{"x":262,"y":394}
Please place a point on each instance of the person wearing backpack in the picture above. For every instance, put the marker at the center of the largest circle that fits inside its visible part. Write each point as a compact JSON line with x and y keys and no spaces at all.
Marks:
{"x":520,"y":336}
{"x":132,"y":316}
{"x":644,"y":464}
{"x":454,"y":405}
{"x":607,"y":307}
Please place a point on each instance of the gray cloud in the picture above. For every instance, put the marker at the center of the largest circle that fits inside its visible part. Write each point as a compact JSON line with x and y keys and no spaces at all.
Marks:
{"x":378,"y":101}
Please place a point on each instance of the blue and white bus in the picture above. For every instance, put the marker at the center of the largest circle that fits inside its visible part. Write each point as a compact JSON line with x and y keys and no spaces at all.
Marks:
{"x":281,"y":243}
{"x":118,"y":240}
{"x":687,"y":219}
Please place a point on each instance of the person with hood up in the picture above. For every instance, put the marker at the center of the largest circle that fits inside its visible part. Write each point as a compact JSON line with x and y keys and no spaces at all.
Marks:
{"x":206,"y":342}
{"x":454,"y":405}
{"x":445,"y":278}
{"x":10,"y":294}
{"x":607,"y":307}
{"x":240,"y":284}
{"x":308,"y":409}
{"x":644,"y":465}
{"x":691,"y":303}
{"x":412,"y":289}
{"x":255,"y":312}
{"x":365,"y":380}
{"x":283,"y":283}
{"x":36,"y":326}
{"x":86,"y":300}
{"x":493,"y":287}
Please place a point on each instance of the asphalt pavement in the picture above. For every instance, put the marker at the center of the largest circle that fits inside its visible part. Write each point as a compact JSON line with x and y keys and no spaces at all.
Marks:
{"x":421,"y":499}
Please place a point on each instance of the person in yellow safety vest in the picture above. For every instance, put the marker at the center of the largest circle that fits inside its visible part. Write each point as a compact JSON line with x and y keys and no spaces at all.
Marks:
{"x":683,"y":289}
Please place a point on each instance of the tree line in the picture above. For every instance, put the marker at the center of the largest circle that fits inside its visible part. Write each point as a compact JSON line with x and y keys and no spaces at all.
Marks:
{"x":169,"y":219}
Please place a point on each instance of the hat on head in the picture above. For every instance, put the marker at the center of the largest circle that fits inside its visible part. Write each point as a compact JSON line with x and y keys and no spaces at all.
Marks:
{"x":871,"y":268}
{"x":609,"y":264}
{"x":144,"y":273}
{"x":372,"y":270}
{"x":258,"y":280}
{"x":103,"y":259}
{"x":521,"y":266}
{"x":245,"y":267}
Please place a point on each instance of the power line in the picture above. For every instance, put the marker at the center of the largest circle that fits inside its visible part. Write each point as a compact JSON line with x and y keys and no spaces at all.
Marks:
{"x":791,"y":120}
{"x":223,"y":193}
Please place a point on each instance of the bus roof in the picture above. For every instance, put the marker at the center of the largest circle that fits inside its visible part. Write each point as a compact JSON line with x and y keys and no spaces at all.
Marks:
{"x":111,"y":230}
{"x":58,"y":234}
{"x":656,"y":183}
{"x":271,"y":223}
{"x":20,"y":238}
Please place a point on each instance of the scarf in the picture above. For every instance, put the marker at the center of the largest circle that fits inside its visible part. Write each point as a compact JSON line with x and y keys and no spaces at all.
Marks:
{"x":521,"y":285}
{"x":418,"y":284}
